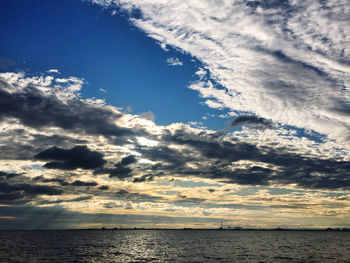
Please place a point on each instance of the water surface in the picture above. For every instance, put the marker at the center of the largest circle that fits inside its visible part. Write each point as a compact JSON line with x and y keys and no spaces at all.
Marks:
{"x":174,"y":246}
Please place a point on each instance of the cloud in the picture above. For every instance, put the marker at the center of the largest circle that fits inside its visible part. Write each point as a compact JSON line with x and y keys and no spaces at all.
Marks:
{"x":122,"y":170}
{"x":174,"y":170}
{"x":21,"y":144}
{"x":77,"y":157}
{"x":127,"y":160}
{"x":285,"y":61}
{"x":148,"y":115}
{"x":11,"y":192}
{"x":136,"y":197}
{"x":144,"y":178}
{"x":168,"y":158}
{"x":253,"y":121}
{"x":72,"y":200}
{"x":34,"y":108}
{"x":8,"y":175}
{"x":53,"y":71}
{"x":179,"y":150}
{"x":174,"y":62}
{"x":218,"y":157}
{"x":61,"y":181}
{"x":81,"y":183}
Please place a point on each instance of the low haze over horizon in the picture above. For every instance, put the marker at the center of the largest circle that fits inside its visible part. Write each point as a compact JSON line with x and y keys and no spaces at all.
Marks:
{"x":173,"y":114}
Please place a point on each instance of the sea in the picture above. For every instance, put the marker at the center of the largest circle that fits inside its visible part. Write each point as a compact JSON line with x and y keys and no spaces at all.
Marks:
{"x":174,"y":246}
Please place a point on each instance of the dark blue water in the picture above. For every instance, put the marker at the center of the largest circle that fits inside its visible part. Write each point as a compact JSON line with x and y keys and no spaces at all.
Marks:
{"x":174,"y":246}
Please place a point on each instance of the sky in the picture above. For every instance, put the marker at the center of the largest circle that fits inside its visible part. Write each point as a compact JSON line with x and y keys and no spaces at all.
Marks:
{"x":172,"y":114}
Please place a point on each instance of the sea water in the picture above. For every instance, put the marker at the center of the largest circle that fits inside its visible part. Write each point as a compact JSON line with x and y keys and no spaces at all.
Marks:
{"x":174,"y":246}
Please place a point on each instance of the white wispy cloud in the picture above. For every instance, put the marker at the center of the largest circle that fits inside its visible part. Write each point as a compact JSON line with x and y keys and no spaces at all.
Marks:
{"x":53,"y":71}
{"x":174,"y":62}
{"x":287,"y":61}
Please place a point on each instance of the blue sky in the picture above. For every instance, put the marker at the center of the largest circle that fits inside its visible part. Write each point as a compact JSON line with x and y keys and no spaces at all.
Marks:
{"x":174,"y":113}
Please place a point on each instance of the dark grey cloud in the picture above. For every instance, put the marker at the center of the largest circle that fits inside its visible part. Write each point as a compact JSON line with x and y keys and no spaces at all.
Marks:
{"x":14,"y":192}
{"x":255,"y":175}
{"x":168,"y":158}
{"x":30,"y":189}
{"x":218,"y":154}
{"x":22,"y":144}
{"x":144,"y":178}
{"x":127,"y":160}
{"x":267,"y":4}
{"x":103,"y":187}
{"x":16,"y":145}
{"x":37,"y":110}
{"x":5,"y":198}
{"x":122,"y":170}
{"x":214,"y":156}
{"x":122,"y":192}
{"x":82,"y":183}
{"x":250,"y":120}
{"x":6,"y":175}
{"x":70,"y":159}
{"x":61,"y":181}
{"x":213,"y":147}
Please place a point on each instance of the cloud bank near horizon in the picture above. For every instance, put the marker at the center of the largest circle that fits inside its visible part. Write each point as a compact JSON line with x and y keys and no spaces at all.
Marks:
{"x":130,"y":164}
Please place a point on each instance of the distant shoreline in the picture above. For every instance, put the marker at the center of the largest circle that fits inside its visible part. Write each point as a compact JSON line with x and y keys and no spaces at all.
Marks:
{"x":186,"y":229}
